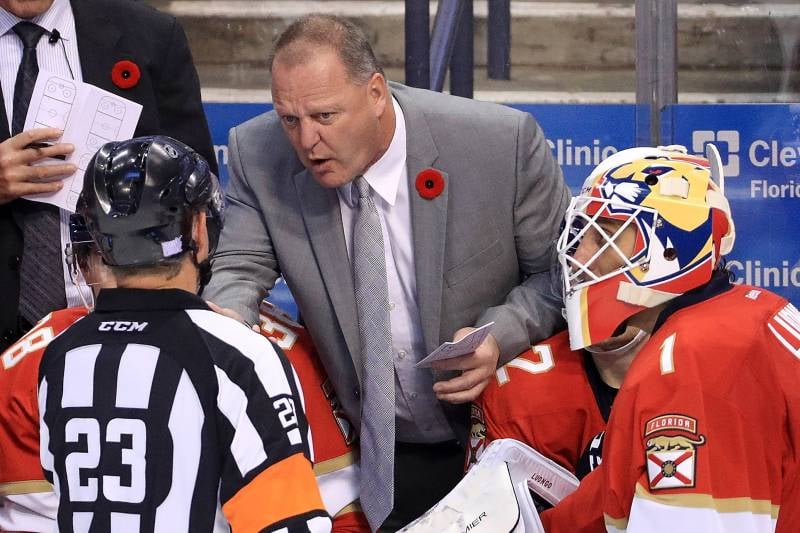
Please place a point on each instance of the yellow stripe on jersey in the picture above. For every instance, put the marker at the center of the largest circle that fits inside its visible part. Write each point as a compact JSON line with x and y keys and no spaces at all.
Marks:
{"x":337,"y":463}
{"x":706,"y":501}
{"x":354,"y":507}
{"x":584,"y":312}
{"x":25,"y":487}
{"x":617,"y":523}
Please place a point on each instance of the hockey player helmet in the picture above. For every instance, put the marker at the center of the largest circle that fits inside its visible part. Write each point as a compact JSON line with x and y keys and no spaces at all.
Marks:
{"x":683,"y":226}
{"x":139,"y":197}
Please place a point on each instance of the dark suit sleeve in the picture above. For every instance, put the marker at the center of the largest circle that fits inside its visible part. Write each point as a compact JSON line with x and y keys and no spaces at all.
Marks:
{"x":180,"y":108}
{"x":532,"y":310}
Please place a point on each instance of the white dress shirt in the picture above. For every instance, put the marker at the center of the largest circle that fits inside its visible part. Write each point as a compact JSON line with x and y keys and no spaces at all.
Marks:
{"x":60,"y":58}
{"x":418,"y":415}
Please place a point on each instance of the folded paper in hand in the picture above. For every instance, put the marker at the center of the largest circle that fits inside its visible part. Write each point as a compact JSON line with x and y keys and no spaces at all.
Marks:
{"x":463,"y":346}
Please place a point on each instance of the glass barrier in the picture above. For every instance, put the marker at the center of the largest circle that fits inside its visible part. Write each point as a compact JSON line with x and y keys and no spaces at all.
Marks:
{"x":739,"y":87}
{"x":741,"y":51}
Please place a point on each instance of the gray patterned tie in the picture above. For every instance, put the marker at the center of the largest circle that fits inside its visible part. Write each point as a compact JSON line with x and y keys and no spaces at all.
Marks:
{"x":377,"y":407}
{"x":41,"y":272}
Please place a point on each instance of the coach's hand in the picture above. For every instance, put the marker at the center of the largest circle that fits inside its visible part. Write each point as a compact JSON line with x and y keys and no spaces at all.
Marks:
{"x":230,"y":313}
{"x":476,"y":370}
{"x":18,"y":177}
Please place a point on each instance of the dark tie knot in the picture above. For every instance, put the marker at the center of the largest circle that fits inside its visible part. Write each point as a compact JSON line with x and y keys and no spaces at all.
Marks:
{"x":362,"y":187}
{"x":29,"y":33}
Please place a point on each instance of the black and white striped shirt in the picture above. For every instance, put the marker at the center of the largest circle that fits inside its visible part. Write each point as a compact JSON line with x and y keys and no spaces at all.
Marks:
{"x":158,"y":414}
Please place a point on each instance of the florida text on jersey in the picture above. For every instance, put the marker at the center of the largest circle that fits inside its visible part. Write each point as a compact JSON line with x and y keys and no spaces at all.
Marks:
{"x":705,"y":430}
{"x":335,"y":459}
{"x":161,"y":415}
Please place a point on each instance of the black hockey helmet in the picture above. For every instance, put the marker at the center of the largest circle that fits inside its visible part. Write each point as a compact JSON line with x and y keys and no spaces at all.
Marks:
{"x":139,"y":196}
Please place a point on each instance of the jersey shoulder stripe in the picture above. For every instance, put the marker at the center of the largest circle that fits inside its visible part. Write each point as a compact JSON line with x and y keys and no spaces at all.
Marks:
{"x":785,"y":326}
{"x":247,"y":343}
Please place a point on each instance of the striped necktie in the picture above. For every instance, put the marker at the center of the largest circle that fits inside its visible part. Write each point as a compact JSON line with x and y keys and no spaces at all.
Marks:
{"x":41,"y":272}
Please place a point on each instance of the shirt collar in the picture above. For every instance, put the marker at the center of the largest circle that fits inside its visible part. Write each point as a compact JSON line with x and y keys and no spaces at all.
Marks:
{"x":146,"y":300}
{"x":56,"y":17}
{"x":384,"y":176}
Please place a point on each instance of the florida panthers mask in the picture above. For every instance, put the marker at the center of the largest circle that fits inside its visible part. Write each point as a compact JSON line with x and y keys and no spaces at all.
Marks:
{"x":682,"y":222}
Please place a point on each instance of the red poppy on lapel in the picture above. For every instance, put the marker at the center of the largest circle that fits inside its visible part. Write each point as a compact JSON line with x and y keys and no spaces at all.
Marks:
{"x":430,"y":183}
{"x":125,"y":74}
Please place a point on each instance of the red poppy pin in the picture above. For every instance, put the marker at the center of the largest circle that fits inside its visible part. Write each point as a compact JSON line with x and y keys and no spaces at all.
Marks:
{"x":125,"y":74}
{"x":430,"y":183}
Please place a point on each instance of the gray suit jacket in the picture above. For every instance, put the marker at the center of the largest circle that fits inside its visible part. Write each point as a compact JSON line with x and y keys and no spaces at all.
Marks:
{"x":476,"y":245}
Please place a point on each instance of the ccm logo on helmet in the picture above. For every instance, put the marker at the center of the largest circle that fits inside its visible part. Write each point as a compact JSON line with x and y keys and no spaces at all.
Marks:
{"x":122,"y":326}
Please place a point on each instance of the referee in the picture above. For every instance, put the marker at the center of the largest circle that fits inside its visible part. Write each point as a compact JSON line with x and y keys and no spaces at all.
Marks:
{"x":157,"y":413}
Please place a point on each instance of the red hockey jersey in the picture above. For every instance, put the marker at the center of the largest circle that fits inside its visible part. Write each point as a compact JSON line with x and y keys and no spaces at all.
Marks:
{"x":544,"y":398}
{"x":20,"y":470}
{"x":335,"y":459}
{"x":28,"y":501}
{"x":705,"y":431}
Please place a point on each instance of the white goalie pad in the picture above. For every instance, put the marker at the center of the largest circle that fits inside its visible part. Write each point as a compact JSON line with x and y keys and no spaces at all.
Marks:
{"x":494,"y":496}
{"x":543,"y":476}
{"x":485,"y":501}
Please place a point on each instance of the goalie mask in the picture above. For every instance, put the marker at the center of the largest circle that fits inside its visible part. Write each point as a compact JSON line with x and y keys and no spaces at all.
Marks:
{"x":662,"y":223}
{"x":139,"y":198}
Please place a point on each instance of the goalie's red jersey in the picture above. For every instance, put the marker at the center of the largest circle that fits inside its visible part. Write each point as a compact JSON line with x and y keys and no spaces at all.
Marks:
{"x":705,"y":431}
{"x":335,"y":460}
{"x":20,"y":470}
{"x":544,"y":398}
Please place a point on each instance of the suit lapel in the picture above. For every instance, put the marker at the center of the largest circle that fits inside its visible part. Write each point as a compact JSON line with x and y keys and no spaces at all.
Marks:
{"x":97,"y":37}
{"x":323,"y":219}
{"x":428,"y":219}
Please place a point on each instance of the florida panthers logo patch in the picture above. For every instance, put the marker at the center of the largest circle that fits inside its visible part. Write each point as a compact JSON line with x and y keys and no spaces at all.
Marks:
{"x":671,"y":443}
{"x":477,"y":435}
{"x":347,"y":429}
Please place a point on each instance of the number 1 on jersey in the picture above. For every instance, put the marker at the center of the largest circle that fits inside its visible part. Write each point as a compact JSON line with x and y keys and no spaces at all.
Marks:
{"x":667,"y":359}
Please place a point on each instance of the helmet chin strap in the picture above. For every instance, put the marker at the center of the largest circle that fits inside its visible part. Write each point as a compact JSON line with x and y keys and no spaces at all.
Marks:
{"x":77,"y":279}
{"x":639,"y":338}
{"x":203,"y":267}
